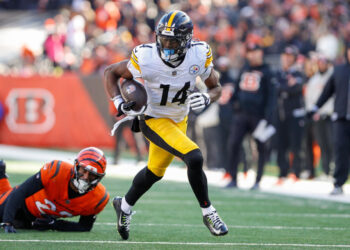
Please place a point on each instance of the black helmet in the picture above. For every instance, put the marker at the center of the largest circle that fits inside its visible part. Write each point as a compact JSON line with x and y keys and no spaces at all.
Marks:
{"x":176,"y":27}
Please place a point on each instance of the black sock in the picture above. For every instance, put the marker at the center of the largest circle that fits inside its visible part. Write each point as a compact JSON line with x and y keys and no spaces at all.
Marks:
{"x":197,"y":177}
{"x":141,"y":183}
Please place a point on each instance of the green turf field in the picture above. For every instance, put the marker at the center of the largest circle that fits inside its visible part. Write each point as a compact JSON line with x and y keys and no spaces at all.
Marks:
{"x":168,"y":217}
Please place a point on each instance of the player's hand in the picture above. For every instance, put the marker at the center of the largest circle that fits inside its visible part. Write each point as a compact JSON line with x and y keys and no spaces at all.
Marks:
{"x":129,"y":112}
{"x":45,"y":223}
{"x":8,"y":228}
{"x":198,"y":100}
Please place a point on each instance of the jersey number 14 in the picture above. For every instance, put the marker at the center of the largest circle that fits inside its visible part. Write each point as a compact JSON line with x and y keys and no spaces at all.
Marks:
{"x":180,"y":96}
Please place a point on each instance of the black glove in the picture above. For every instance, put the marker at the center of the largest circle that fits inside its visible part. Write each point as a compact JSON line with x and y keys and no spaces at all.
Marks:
{"x":45,"y":223}
{"x":310,"y":114}
{"x":9,"y":228}
{"x":125,"y":107}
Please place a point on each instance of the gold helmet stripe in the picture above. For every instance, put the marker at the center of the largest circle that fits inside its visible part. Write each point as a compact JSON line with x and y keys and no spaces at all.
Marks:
{"x":170,"y":22}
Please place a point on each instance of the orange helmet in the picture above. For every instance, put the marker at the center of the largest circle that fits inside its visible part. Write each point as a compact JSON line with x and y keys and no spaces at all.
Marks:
{"x":92,"y":160}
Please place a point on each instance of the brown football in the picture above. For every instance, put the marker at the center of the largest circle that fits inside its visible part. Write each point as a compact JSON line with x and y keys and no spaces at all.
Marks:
{"x":133,"y":90}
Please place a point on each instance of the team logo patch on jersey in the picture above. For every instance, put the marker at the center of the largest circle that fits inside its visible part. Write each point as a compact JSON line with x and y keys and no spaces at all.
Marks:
{"x":194,"y":69}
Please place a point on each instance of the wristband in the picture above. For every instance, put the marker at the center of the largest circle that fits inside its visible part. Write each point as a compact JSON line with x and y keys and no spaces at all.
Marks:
{"x":117,"y":100}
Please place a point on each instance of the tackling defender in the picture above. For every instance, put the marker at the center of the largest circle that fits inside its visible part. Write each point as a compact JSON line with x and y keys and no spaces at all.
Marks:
{"x":169,"y":68}
{"x":58,"y":190}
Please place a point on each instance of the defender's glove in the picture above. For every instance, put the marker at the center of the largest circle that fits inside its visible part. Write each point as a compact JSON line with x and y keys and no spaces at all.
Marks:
{"x":9,"y":228}
{"x":45,"y":223}
{"x":198,"y":100}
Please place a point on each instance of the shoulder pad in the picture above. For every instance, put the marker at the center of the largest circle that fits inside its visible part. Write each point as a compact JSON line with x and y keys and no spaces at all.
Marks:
{"x":203,"y":51}
{"x":140,"y":54}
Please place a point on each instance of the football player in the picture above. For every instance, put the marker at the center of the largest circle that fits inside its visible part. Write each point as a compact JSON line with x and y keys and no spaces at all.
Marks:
{"x":169,"y":68}
{"x":58,"y":190}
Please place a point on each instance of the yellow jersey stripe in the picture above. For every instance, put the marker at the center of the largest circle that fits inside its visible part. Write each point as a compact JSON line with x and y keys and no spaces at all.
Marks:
{"x":170,"y":22}
{"x":209,"y":52}
{"x":208,"y":61}
{"x":135,"y":64}
{"x":134,"y":57}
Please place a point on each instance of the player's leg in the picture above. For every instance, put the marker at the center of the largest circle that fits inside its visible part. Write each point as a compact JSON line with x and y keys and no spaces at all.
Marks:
{"x":4,"y":182}
{"x":158,"y":161}
{"x":5,"y":187}
{"x":171,"y":137}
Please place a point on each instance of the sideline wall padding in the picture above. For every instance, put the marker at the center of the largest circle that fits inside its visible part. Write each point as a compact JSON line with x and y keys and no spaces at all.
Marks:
{"x":50,"y":112}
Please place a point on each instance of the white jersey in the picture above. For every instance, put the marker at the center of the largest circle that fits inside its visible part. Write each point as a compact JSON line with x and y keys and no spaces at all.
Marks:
{"x":167,"y":88}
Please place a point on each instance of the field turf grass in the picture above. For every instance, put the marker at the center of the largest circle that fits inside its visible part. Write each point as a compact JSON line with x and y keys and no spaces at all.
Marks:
{"x":168,"y":217}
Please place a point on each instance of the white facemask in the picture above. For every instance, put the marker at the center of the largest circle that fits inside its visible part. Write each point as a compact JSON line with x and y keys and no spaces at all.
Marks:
{"x":81,"y":185}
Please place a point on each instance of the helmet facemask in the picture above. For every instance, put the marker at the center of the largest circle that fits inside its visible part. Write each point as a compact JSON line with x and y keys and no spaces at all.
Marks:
{"x":173,"y":38}
{"x":176,"y":50}
{"x":83,"y":185}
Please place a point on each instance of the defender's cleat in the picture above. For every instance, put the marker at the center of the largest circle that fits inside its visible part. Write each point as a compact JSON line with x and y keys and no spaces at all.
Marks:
{"x":123,"y":219}
{"x":214,"y":223}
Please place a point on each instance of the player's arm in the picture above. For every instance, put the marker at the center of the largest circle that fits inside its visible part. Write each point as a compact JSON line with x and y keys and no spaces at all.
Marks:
{"x":84,"y":225}
{"x":112,"y":75}
{"x":198,"y":101}
{"x":213,"y":85}
{"x":17,"y":197}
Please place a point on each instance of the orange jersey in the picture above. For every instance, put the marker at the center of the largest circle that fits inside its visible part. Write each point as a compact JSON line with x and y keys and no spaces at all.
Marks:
{"x":53,"y":198}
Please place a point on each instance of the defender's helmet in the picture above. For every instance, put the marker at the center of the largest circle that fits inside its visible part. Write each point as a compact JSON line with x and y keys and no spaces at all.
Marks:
{"x":175,"y":28}
{"x":92,"y":160}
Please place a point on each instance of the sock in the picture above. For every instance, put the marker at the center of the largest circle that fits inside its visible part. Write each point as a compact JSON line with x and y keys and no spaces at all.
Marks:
{"x":207,"y":210}
{"x":126,"y":208}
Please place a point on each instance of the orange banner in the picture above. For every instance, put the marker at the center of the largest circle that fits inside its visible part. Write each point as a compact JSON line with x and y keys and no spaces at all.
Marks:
{"x":50,"y":112}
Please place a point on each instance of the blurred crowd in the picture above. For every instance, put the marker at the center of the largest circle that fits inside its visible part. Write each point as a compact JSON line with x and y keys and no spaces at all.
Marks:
{"x":86,"y":36}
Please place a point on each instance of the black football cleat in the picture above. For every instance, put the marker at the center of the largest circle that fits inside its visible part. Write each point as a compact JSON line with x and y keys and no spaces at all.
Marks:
{"x":2,"y":169}
{"x":214,"y":223}
{"x":123,"y":219}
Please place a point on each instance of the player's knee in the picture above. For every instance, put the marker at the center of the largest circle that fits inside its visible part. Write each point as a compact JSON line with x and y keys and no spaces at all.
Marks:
{"x":145,"y":178}
{"x":194,"y":159}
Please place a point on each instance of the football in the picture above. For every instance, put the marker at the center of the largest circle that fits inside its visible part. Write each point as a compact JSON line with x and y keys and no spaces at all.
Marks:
{"x":132,"y":90}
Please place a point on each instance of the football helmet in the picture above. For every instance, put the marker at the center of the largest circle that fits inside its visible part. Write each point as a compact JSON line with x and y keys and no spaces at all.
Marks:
{"x":92,"y":160}
{"x":173,"y":35}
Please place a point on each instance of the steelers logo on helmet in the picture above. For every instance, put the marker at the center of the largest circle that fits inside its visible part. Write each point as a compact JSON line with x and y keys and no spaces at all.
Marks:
{"x":93,"y":161}
{"x":173,"y":35}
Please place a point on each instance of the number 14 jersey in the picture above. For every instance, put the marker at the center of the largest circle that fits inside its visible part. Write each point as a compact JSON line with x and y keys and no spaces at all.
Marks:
{"x":167,"y":87}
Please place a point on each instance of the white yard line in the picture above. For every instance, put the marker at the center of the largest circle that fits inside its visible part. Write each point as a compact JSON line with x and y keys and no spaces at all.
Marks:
{"x":178,"y":243}
{"x":235,"y":226}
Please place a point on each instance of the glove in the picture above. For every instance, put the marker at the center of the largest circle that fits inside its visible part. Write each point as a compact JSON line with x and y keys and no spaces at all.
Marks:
{"x":9,"y":228}
{"x":312,"y":112}
{"x":126,"y":109}
{"x":198,"y":100}
{"x":45,"y":223}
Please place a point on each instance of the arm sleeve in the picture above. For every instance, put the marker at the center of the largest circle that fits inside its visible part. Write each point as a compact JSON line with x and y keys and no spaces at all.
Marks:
{"x":326,"y":93}
{"x":17,"y":197}
{"x":84,"y":225}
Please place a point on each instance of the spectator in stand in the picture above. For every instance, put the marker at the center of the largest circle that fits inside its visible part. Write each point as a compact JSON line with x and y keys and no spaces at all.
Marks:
{"x":321,"y":125}
{"x":290,"y":115}
{"x":252,"y":103}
